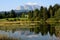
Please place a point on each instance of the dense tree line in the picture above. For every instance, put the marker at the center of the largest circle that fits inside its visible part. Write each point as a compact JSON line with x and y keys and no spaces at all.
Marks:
{"x":45,"y":13}
{"x":11,"y":14}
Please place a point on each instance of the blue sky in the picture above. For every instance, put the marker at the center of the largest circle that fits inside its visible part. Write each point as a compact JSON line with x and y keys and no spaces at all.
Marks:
{"x":6,"y":5}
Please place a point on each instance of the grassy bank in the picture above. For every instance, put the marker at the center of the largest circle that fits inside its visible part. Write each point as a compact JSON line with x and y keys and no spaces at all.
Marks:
{"x":14,"y":23}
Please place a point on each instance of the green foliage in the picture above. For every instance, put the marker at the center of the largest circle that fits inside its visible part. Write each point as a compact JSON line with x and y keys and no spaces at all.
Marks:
{"x":51,"y":21}
{"x":10,"y":14}
{"x":57,"y":14}
{"x":23,"y":15}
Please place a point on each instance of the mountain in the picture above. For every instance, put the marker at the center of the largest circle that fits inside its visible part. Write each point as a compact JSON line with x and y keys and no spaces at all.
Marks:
{"x":31,"y":7}
{"x":27,"y":8}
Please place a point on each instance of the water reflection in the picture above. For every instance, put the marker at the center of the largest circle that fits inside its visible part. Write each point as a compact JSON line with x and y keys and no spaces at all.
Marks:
{"x":27,"y":35}
{"x":38,"y":32}
{"x":44,"y":29}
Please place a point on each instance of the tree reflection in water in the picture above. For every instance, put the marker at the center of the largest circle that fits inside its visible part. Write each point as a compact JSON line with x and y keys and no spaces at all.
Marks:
{"x":44,"y":29}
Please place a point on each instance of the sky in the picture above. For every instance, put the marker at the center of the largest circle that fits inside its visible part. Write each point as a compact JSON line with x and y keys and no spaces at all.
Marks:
{"x":6,"y":5}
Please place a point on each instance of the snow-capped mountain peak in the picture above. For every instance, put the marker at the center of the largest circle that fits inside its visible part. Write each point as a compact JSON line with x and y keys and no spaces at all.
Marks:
{"x":28,"y":7}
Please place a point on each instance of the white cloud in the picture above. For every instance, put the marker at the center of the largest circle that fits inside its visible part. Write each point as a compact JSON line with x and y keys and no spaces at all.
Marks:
{"x":30,"y":3}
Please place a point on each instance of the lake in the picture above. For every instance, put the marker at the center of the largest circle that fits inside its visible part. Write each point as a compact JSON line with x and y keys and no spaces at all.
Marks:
{"x":37,"y":33}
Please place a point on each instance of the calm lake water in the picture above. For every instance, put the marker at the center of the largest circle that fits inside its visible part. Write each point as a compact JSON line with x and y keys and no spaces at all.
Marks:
{"x":47,"y":33}
{"x":27,"y":35}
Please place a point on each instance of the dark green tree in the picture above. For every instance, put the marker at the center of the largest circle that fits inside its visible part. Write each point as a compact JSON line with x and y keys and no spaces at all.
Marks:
{"x":30,"y":13}
{"x":12,"y":13}
{"x":50,"y":11}
{"x":43,"y":13}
